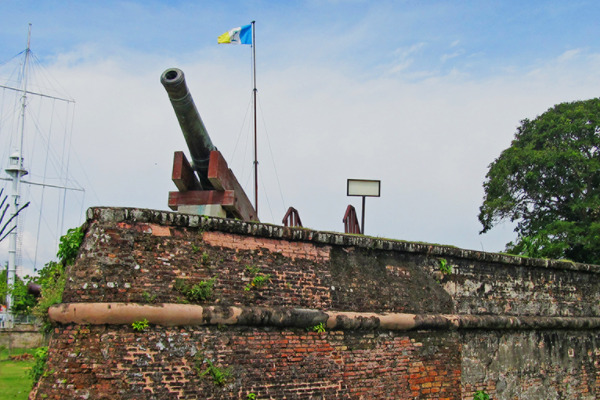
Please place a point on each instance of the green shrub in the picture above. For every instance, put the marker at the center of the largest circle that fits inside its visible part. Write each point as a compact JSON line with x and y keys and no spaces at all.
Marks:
{"x":318,"y":328}
{"x":38,"y":369}
{"x":140,"y":326}
{"x":69,"y":245}
{"x":218,"y":375}
{"x":201,"y":291}
{"x":252,"y":269}
{"x":148,"y":297}
{"x":52,"y":280}
{"x":258,"y":282}
{"x":445,"y":268}
{"x":481,"y":395}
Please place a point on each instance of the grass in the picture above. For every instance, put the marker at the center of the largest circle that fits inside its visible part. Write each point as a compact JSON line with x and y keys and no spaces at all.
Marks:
{"x":13,"y":352}
{"x":14,"y":382}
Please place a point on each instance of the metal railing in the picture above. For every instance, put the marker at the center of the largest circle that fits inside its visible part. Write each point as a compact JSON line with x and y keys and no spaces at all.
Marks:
{"x":17,"y":320}
{"x":292,"y":218}
{"x":350,"y":221}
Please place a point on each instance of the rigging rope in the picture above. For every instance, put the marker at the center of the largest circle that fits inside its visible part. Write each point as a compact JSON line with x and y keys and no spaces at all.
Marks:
{"x":267,"y":197}
{"x":272,"y":157}
{"x":37,"y":239}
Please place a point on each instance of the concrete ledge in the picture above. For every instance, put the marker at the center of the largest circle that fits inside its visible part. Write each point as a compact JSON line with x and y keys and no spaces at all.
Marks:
{"x":186,"y":314}
{"x":166,"y":218}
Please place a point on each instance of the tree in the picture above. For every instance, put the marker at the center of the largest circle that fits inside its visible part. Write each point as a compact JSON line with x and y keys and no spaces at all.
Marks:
{"x":548,"y":181}
{"x":23,"y":302}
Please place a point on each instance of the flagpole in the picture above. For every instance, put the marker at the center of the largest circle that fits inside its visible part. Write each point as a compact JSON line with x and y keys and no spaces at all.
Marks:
{"x":255,"y":140}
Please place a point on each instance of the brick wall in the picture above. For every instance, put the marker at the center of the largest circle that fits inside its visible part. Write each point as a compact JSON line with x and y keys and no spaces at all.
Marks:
{"x":137,"y":256}
{"x":113,"y":362}
{"x":558,"y":364}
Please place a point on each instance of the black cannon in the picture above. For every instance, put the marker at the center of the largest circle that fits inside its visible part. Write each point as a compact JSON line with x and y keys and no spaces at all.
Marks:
{"x":215,"y":185}
{"x":193,"y":129}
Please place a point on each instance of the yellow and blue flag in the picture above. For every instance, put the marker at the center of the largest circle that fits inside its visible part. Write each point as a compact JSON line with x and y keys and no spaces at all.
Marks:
{"x":241,"y":35}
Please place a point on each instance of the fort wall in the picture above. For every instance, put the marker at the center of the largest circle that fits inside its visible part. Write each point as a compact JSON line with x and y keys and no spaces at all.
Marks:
{"x":396,"y":325}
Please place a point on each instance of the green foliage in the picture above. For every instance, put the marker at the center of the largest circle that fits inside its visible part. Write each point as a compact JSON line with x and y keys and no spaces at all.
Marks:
{"x":195,"y":248}
{"x":318,"y":328}
{"x":445,"y":268}
{"x":548,"y":181}
{"x":140,"y":326}
{"x":148,"y":297}
{"x":481,"y":395}
{"x":218,"y":375}
{"x":52,"y":276}
{"x":201,"y":291}
{"x":205,"y":258}
{"x":23,"y":302}
{"x":252,"y":269}
{"x":69,"y":245}
{"x":39,"y":368}
{"x":258,"y":282}
{"x":530,"y":246}
{"x":251,"y":396}
{"x":52,"y":280}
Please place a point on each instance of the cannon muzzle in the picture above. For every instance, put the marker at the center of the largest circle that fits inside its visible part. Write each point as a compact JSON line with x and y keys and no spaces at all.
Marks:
{"x":192,"y":127}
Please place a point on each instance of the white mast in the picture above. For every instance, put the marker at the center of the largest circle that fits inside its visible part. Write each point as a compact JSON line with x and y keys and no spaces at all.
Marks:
{"x":16,"y":170}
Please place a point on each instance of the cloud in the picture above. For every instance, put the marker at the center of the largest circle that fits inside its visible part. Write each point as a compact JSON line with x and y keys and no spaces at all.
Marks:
{"x":402,"y":60}
{"x":446,"y":57}
{"x":569,"y":55}
{"x":403,"y":52}
{"x":429,"y":137}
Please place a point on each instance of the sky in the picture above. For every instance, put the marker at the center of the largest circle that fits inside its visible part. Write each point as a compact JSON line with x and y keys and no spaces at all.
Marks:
{"x":422,"y":95}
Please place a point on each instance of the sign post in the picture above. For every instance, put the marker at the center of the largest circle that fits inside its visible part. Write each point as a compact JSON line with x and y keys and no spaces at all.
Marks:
{"x":363,"y":188}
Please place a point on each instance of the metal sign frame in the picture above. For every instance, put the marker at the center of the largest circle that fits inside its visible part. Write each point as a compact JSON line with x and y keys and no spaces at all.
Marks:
{"x":363,"y":180}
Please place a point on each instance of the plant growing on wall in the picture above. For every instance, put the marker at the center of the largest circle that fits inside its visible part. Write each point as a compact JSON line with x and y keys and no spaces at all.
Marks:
{"x":205,"y":258}
{"x":201,"y":291}
{"x":320,"y":328}
{"x":148,"y":297}
{"x":258,"y":282}
{"x":445,"y":268}
{"x":69,"y":245}
{"x":37,"y":371}
{"x":140,"y":326}
{"x":252,"y":269}
{"x":52,"y":280}
{"x":218,"y":375}
{"x":481,"y":395}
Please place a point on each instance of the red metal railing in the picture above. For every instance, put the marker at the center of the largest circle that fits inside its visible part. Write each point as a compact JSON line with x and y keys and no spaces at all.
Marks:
{"x":350,"y":221}
{"x":292,"y":218}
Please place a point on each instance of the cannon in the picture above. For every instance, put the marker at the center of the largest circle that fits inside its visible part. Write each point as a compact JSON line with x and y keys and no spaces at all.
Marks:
{"x":192,"y":127}
{"x":206,"y":185}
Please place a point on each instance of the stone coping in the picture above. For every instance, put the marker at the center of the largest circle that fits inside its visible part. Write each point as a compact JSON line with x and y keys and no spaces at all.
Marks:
{"x":191,"y":315}
{"x":175,"y":219}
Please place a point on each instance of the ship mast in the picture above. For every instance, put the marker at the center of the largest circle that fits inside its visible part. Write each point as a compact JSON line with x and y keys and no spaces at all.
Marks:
{"x":16,"y":170}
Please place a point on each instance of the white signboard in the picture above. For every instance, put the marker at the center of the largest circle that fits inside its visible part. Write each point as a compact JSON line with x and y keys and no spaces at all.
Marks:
{"x":363,"y":187}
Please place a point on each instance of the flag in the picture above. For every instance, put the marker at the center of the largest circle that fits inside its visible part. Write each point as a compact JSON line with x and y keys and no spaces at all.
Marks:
{"x":241,"y":35}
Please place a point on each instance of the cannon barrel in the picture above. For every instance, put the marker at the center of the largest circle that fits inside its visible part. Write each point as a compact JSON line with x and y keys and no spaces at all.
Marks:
{"x":192,"y":127}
